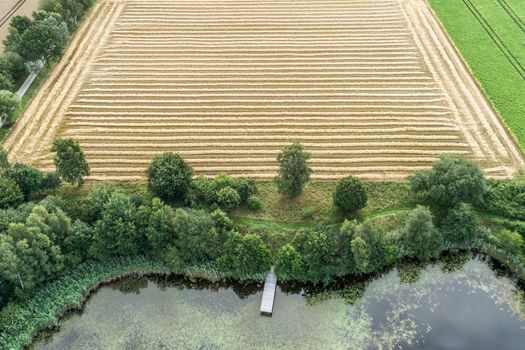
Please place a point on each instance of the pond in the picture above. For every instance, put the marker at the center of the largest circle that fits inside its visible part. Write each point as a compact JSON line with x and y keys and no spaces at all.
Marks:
{"x":463,"y":303}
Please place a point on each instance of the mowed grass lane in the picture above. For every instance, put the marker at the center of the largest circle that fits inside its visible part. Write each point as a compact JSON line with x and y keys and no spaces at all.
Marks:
{"x":500,"y":80}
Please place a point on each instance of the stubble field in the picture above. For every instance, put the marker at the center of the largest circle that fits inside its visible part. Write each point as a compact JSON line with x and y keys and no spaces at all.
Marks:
{"x":371,"y":87}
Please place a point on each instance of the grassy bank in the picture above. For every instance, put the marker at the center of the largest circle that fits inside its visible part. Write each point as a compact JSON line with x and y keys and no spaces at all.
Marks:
{"x":489,"y":36}
{"x":21,"y":321}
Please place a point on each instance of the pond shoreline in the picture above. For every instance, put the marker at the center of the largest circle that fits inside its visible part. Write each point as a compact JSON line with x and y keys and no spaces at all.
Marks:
{"x":499,"y":258}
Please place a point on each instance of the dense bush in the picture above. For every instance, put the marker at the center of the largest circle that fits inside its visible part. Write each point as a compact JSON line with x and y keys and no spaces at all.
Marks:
{"x":254,"y":203}
{"x":10,"y":193}
{"x":169,"y":176}
{"x":228,"y":198}
{"x":223,"y":191}
{"x":421,"y":240}
{"x":244,"y":256}
{"x":12,"y":66}
{"x":505,"y":198}
{"x":349,"y":194}
{"x":460,"y":226}
{"x":6,"y":82}
{"x":293,"y":172}
{"x":9,"y":102}
{"x":452,"y":180}
{"x":30,"y":180}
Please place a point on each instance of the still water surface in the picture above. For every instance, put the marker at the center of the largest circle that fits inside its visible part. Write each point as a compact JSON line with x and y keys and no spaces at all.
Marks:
{"x":460,"y":305}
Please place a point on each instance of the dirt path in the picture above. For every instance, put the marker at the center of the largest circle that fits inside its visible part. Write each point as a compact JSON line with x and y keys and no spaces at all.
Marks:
{"x":371,"y":87}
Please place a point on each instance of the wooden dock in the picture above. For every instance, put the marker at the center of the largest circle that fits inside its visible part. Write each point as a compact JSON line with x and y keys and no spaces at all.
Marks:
{"x":270,"y":285}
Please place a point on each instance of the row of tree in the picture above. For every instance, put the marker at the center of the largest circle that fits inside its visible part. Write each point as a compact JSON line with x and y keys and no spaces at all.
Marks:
{"x":33,"y":42}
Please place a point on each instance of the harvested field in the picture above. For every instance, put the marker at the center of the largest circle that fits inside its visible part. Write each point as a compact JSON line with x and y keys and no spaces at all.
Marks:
{"x":371,"y":87}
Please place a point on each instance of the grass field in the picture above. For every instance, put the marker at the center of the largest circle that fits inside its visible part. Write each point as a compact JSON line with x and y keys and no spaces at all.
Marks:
{"x":371,"y":88}
{"x":497,"y":61}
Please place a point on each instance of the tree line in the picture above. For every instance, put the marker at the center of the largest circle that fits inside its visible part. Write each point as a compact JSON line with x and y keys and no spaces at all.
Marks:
{"x":35,"y":42}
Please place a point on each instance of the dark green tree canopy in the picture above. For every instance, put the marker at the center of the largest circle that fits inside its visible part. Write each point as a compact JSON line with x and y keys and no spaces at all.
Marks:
{"x":421,"y":239}
{"x":294,"y":171}
{"x":70,"y":161}
{"x":452,"y":180}
{"x":9,"y":102}
{"x":350,"y":194}
{"x":169,"y":176}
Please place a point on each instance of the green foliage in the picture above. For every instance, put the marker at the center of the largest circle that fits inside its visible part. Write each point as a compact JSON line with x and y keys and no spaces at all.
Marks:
{"x":6,"y":82}
{"x":317,"y":255}
{"x":460,"y":226}
{"x":452,"y":180}
{"x":100,"y":195}
{"x":45,"y":39}
{"x":290,"y":263}
{"x":293,"y":172}
{"x":9,"y":102}
{"x":169,"y":176}
{"x":350,"y":194}
{"x":246,"y":189}
{"x":506,"y":198}
{"x":51,"y":181}
{"x":361,"y":252}
{"x":254,"y":203}
{"x":377,"y":248}
{"x":28,"y":257}
{"x":222,"y":222}
{"x":71,"y":10}
{"x":30,"y":180}
{"x":244,"y":256}
{"x":228,"y":198}
{"x":70,"y":161}
{"x":159,"y":227}
{"x":115,"y":234}
{"x":421,"y":240}
{"x":10,"y":193}
{"x":512,"y":242}
{"x":12,"y":66}
{"x":197,"y":238}
{"x":223,"y":191}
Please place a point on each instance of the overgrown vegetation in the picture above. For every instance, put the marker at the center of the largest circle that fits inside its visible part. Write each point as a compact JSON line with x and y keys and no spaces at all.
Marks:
{"x":44,"y":239}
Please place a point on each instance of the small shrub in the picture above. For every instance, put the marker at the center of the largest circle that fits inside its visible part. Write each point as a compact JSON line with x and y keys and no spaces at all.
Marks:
{"x":228,"y":198}
{"x":308,"y":213}
{"x":254,"y":203}
{"x":350,"y":195}
{"x":246,"y":188}
{"x":10,"y":193}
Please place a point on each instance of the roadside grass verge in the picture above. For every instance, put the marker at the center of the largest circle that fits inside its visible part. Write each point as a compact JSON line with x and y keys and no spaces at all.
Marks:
{"x":498,"y":77}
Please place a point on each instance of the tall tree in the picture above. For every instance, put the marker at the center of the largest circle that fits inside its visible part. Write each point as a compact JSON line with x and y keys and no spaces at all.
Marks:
{"x":70,"y":161}
{"x":294,"y":171}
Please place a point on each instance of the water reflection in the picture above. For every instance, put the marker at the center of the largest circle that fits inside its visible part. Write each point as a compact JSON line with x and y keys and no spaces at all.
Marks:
{"x":461,"y":303}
